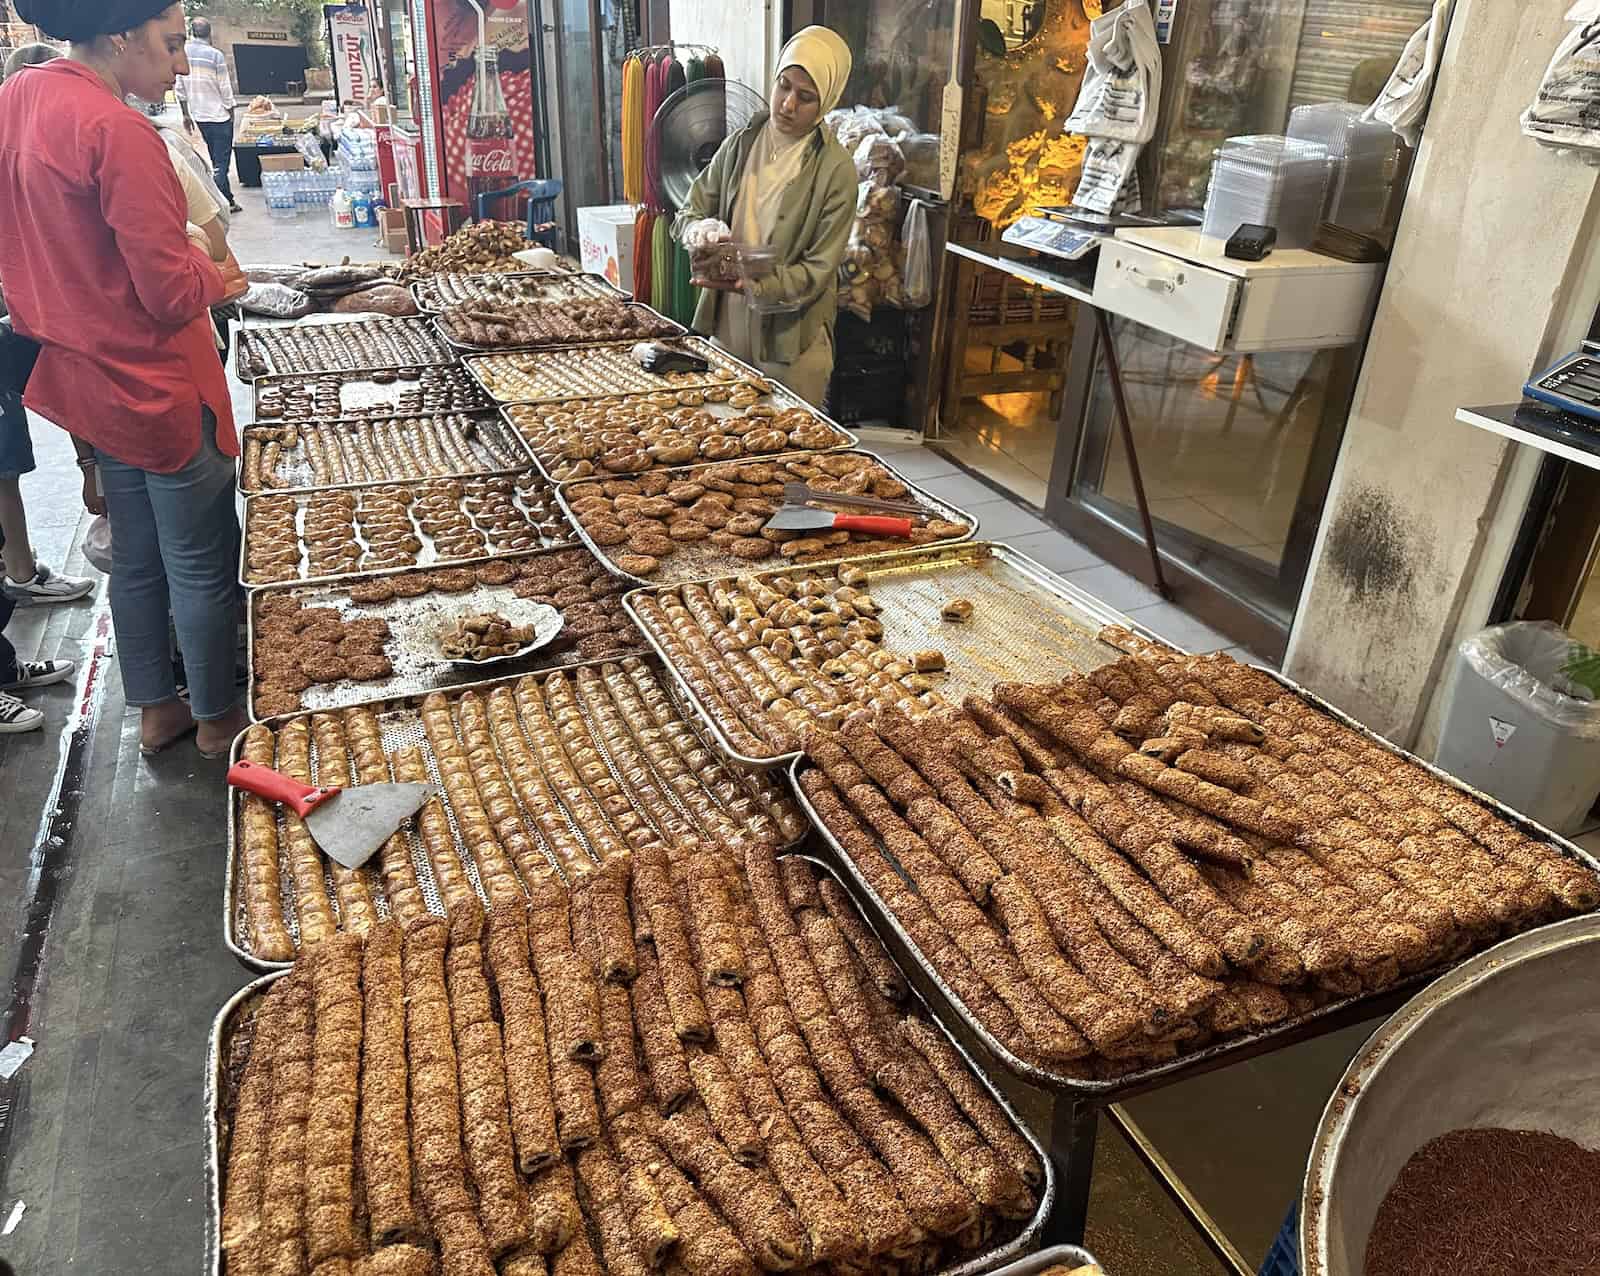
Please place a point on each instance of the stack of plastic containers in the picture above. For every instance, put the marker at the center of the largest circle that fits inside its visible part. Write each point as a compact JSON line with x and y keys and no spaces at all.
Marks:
{"x":1360,"y":161}
{"x":1267,"y":180}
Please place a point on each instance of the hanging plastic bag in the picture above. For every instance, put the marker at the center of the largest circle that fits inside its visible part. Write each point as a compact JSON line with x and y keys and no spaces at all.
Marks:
{"x":1565,"y":112}
{"x":1122,"y":84}
{"x":1403,"y":101}
{"x":917,"y":273}
{"x":97,"y":544}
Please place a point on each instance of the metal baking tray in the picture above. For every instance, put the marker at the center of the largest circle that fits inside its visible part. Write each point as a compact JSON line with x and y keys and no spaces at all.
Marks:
{"x":440,"y":355}
{"x":427,"y":556}
{"x":360,"y":395}
{"x":1327,"y":1018}
{"x":780,"y":400}
{"x":534,"y":285}
{"x":401,"y":725}
{"x":609,"y":370}
{"x":1027,"y":624}
{"x":704,"y":561}
{"x":220,"y":1097}
{"x":674,"y":329}
{"x":1068,"y":1256}
{"x":414,"y":623}
{"x":299,"y":476}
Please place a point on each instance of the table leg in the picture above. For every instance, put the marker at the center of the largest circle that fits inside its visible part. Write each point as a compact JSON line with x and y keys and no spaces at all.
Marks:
{"x":1072,"y":1134}
{"x":1124,"y":423}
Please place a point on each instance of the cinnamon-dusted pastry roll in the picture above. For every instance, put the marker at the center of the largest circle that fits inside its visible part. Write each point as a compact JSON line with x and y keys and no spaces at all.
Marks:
{"x":258,"y":839}
{"x":480,"y":1060}
{"x":385,"y":1146}
{"x":577,"y":1259}
{"x":313,"y":909}
{"x":885,"y":974}
{"x":606,"y":894}
{"x":243,"y":1205}
{"x":435,"y":1103}
{"x":477,"y":833}
{"x":748,"y":1199}
{"x":711,"y":914}
{"x":601,"y":1177}
{"x":567,"y":980}
{"x":335,"y":973}
{"x":675,"y":964}
{"x":394,"y":858}
{"x":357,"y":914}
{"x":553,"y":1213}
{"x":725,"y":1107}
{"x":533,"y":1114}
{"x":398,"y":1260}
{"x":617,"y":1075}
{"x":663,"y":1050}
{"x":283,"y":1231}
{"x":433,"y":826}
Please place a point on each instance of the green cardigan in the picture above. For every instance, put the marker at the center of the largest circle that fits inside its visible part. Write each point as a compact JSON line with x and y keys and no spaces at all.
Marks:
{"x":814,"y":221}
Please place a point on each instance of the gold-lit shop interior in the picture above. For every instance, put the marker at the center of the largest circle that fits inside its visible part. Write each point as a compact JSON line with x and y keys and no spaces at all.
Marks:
{"x":1236,"y":450}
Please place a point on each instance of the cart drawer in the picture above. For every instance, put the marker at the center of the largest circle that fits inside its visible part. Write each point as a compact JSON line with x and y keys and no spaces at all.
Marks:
{"x":1183,"y":300}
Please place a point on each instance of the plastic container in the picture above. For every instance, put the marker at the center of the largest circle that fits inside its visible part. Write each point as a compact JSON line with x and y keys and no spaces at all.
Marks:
{"x":361,"y":211}
{"x":1360,"y":161}
{"x":1512,"y":731}
{"x":341,"y":210}
{"x":1267,"y":180}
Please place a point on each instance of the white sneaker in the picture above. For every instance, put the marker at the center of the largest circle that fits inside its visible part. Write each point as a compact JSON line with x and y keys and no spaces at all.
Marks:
{"x":45,"y":587}
{"x":16,"y":717}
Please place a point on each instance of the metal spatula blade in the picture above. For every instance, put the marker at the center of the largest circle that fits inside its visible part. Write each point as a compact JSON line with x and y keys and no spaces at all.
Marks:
{"x":802,"y":518}
{"x":348,"y":824}
{"x":802,"y":493}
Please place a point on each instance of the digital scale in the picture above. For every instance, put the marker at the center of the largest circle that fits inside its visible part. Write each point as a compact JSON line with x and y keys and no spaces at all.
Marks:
{"x":1571,"y":384}
{"x":1071,"y":243}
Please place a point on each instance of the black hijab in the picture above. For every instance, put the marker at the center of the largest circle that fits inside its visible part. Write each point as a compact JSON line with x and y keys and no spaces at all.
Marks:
{"x":82,"y":20}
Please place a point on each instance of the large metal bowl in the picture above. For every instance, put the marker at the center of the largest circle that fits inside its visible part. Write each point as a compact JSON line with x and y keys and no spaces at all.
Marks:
{"x":1508,"y":1039}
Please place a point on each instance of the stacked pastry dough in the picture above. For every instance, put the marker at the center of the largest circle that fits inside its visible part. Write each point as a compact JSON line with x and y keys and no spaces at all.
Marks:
{"x":532,"y":324}
{"x":629,"y":436}
{"x":372,"y":343}
{"x":681,"y":1058}
{"x":366,"y":451}
{"x":549,"y":765}
{"x":704,"y":520}
{"x":1115,"y":870}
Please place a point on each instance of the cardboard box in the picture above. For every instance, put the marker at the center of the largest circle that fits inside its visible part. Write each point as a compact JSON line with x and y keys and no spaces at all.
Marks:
{"x":283,"y":163}
{"x":606,"y":236}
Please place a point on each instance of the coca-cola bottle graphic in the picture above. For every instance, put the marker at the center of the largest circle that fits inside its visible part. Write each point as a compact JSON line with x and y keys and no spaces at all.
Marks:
{"x":491,"y":144}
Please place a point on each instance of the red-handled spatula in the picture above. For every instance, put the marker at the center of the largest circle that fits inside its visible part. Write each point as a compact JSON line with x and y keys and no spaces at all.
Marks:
{"x":802,"y":518}
{"x":349,"y":824}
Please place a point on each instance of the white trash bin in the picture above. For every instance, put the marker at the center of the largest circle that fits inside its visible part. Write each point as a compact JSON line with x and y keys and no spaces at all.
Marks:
{"x":1512,"y":730}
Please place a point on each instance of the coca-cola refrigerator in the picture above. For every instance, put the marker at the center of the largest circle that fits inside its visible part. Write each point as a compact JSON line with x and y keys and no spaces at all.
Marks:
{"x":476,"y":99}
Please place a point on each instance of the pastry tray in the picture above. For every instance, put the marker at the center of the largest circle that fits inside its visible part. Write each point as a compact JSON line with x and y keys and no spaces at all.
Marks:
{"x":537,"y":285}
{"x":412,"y":647}
{"x":360,"y":395}
{"x":427,"y":556}
{"x":298,"y":475}
{"x":439,"y":356}
{"x":605,"y":371}
{"x":221,"y":1095}
{"x":1324,"y":1019}
{"x":705,"y":561}
{"x":1028,"y":624}
{"x":780,"y":400}
{"x":674,"y":330}
{"x":401,"y":724}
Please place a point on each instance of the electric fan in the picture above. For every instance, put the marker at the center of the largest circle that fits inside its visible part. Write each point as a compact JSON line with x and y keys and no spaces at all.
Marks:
{"x":692,"y":123}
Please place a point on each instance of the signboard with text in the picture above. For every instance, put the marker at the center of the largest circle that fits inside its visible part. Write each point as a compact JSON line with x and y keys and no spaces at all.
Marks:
{"x":350,"y":47}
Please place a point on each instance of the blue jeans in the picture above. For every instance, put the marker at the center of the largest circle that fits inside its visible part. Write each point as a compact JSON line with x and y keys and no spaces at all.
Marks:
{"x":174,"y":547}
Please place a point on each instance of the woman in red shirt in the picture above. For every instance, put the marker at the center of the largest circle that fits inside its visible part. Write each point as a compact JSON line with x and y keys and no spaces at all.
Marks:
{"x":99,"y":271}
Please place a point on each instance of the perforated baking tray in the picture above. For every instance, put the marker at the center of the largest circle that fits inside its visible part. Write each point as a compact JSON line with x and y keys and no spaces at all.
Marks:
{"x":604,"y":370}
{"x":494,"y":447}
{"x":401,"y":724}
{"x":1028,"y":624}
{"x":669,"y":328}
{"x":701,"y":560}
{"x":361,"y":395}
{"x":413,"y":644}
{"x":553,"y":534}
{"x":780,"y":400}
{"x":529,"y":285}
{"x":227,"y":1052}
{"x":1327,"y":1018}
{"x":423,"y":348}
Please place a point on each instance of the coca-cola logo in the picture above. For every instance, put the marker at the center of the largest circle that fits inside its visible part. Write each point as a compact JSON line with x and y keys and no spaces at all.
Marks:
{"x":499,"y":159}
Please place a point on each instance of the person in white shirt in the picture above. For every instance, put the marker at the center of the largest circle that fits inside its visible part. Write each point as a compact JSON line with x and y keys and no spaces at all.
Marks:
{"x":206,"y":96}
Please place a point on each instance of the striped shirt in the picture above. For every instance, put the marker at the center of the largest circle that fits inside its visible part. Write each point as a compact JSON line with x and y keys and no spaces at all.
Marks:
{"x":207,"y":88}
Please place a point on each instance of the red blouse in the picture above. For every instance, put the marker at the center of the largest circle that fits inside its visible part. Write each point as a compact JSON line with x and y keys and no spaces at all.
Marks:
{"x":98,"y":270}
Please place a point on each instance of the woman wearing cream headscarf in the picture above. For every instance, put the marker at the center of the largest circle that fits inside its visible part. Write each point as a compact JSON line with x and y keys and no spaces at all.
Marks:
{"x":783,"y":183}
